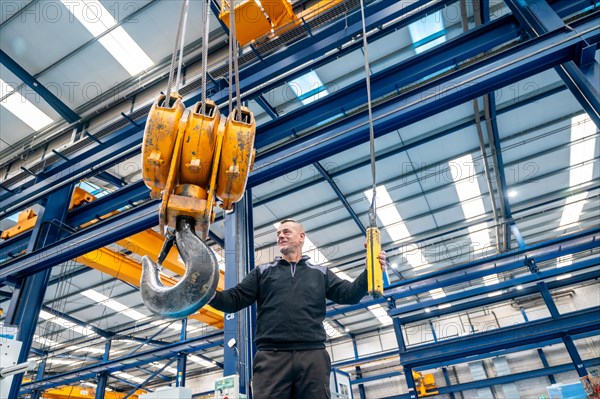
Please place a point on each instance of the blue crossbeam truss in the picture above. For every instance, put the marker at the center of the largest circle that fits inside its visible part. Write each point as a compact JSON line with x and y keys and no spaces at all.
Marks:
{"x":127,"y":362}
{"x":537,"y":331}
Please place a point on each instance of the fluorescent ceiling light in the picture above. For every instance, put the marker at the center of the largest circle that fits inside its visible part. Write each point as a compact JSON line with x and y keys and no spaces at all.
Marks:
{"x":114,"y":305}
{"x":200,"y":361}
{"x":581,"y":167}
{"x":46,"y":343}
{"x":427,"y":32}
{"x":381,"y":314}
{"x":85,"y":331}
{"x":444,"y":306}
{"x":22,"y":108}
{"x":388,"y":215}
{"x":66,"y":362}
{"x":512,"y":193}
{"x":583,"y":151}
{"x":467,"y":188}
{"x":128,"y":377}
{"x":158,"y":366}
{"x":564,"y":276}
{"x":565,"y":260}
{"x":495,"y":293}
{"x":308,"y":87}
{"x":97,"y":20}
{"x":491,"y":280}
{"x":572,"y":210}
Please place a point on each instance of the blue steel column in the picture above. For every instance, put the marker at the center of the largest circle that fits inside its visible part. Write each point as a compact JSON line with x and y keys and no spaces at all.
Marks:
{"x":538,"y":18}
{"x":40,"y":374}
{"x":361,"y":387}
{"x":410,"y":382}
{"x":182,"y":356}
{"x":447,"y":379}
{"x":25,"y":307}
{"x":102,"y":378}
{"x":229,"y":355}
{"x":250,"y":313}
{"x":566,"y":338}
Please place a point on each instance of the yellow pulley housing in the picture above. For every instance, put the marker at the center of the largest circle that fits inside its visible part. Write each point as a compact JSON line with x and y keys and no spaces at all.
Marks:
{"x":159,"y":141}
{"x":237,"y":157}
{"x":199,"y":144}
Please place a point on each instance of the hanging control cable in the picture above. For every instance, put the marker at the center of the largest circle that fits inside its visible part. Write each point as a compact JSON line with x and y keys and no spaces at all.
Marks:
{"x":374,"y":272}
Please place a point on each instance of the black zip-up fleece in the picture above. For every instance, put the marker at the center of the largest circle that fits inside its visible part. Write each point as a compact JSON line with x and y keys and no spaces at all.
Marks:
{"x":291,"y":302}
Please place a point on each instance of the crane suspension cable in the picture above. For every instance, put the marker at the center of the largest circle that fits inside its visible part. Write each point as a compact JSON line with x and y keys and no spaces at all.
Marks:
{"x":234,"y":73}
{"x":176,"y":51}
{"x":373,"y":208}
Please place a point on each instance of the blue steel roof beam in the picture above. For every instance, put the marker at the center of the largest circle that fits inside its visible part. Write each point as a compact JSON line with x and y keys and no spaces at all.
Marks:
{"x":538,"y":18}
{"x":272,"y":112}
{"x":391,"y":79}
{"x":61,"y":108}
{"x":340,"y":196}
{"x":85,"y":162}
{"x":551,"y":249}
{"x":127,"y":362}
{"x":503,"y":338}
{"x":509,"y":285}
{"x":489,"y":101}
{"x":495,"y":381}
{"x":394,"y":352}
{"x":118,"y":199}
{"x":386,"y":153}
{"x":550,"y":49}
{"x":14,"y":246}
{"x":328,"y":38}
{"x":111,"y":179}
{"x":527,"y":59}
{"x":97,"y":330}
{"x":79,"y":243}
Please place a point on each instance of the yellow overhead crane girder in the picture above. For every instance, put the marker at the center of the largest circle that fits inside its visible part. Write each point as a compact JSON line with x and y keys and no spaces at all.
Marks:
{"x":256,"y":19}
{"x":122,"y":267}
{"x":78,"y":392}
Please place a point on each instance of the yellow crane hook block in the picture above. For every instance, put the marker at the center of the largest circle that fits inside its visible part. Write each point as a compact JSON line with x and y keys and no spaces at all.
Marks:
{"x":199,"y":144}
{"x":237,"y":157}
{"x":159,"y":140}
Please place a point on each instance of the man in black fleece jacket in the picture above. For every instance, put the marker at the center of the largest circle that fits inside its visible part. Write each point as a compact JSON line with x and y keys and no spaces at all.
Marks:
{"x":291,"y":294}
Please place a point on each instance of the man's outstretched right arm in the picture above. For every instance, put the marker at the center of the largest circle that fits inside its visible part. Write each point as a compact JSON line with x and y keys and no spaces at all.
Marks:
{"x":236,"y":298}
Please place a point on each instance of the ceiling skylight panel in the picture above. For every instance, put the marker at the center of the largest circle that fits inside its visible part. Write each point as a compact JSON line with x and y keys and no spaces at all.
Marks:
{"x":97,"y":20}
{"x":582,"y":150}
{"x":388,"y":214}
{"x":427,"y":32}
{"x":308,"y":87}
{"x":114,"y":305}
{"x":81,"y":330}
{"x":22,"y":108}
{"x":200,"y":361}
{"x":581,"y":169}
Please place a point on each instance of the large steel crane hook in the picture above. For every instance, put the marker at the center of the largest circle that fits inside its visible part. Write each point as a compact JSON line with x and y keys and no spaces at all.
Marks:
{"x":198,"y":283}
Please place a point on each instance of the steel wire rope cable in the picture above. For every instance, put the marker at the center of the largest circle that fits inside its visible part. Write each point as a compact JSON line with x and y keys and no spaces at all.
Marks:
{"x":177,"y":55}
{"x":50,"y":331}
{"x":446,"y":89}
{"x":375,"y":280}
{"x":234,"y":64}
{"x":205,"y":33}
